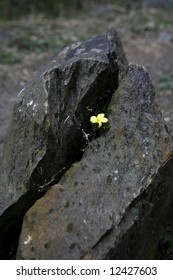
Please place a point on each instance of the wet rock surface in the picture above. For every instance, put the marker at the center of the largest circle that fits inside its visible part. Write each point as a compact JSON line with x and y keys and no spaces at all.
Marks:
{"x":50,"y":124}
{"x":112,"y":203}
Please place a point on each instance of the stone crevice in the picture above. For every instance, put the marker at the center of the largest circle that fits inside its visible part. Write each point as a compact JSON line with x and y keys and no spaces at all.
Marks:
{"x":43,"y":141}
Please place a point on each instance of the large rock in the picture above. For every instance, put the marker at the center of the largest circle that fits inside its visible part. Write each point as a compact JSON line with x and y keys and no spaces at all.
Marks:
{"x":50,"y":123}
{"x":112,"y":203}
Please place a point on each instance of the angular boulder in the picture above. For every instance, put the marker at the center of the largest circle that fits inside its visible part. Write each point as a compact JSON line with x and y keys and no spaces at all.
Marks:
{"x":112,"y":203}
{"x":50,"y":125}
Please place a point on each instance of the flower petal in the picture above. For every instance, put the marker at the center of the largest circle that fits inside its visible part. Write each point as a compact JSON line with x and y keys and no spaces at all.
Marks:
{"x":100,"y":116}
{"x":104,"y":120}
{"x":93,"y":119}
{"x":99,"y":123}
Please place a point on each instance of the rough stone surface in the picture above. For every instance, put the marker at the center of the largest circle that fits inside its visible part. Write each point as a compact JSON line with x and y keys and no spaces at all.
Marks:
{"x":112,"y":203}
{"x":50,"y":123}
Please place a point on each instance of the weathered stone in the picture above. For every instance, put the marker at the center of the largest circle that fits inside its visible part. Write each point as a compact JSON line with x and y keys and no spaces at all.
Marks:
{"x":112,"y":203}
{"x":50,"y":123}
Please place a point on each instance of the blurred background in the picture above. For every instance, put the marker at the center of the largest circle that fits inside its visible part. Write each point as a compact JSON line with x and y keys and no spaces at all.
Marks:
{"x":31,"y":31}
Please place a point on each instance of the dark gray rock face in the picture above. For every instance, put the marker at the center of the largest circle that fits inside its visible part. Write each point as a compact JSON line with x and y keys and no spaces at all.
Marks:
{"x":50,"y":124}
{"x":112,"y":203}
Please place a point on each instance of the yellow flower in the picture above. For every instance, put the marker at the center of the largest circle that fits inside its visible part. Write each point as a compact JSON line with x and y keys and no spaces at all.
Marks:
{"x":99,"y":119}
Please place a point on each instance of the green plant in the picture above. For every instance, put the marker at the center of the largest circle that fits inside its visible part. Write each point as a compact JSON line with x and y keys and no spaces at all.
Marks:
{"x":165,"y":83}
{"x":9,"y":58}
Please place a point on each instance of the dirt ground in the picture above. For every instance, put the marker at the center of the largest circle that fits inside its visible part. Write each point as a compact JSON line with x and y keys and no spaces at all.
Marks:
{"x":147,"y":38}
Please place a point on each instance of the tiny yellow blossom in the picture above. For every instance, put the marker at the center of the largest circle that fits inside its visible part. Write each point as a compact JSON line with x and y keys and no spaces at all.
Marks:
{"x":99,"y":119}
